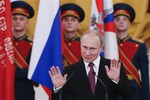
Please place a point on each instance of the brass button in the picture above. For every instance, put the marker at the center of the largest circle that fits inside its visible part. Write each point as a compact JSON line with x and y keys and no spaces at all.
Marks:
{"x":69,"y":44}
{"x":121,"y":44}
{"x":16,"y":43}
{"x":136,"y":45}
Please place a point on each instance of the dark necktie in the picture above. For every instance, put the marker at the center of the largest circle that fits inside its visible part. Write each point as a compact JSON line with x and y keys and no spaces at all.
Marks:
{"x":91,"y":77}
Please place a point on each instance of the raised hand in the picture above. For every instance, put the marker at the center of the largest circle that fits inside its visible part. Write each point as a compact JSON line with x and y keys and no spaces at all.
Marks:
{"x":57,"y":79}
{"x":114,"y":71}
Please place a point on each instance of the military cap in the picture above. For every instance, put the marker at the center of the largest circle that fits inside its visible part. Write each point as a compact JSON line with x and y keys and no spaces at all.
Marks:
{"x":23,"y":8}
{"x":71,"y":9}
{"x":124,"y":9}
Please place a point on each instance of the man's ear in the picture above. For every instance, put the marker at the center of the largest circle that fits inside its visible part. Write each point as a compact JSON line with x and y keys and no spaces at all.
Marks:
{"x":130,"y":23}
{"x":78,"y":25}
{"x":102,"y":47}
{"x":27,"y":22}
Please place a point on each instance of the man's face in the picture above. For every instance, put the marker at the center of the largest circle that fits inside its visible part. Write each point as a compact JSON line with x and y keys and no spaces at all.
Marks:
{"x":90,"y":48}
{"x":70,"y":24}
{"x":19,"y":22}
{"x":122,"y":23}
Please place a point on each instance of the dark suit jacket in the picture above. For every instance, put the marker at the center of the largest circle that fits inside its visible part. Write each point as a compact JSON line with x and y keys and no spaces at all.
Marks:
{"x":78,"y":86}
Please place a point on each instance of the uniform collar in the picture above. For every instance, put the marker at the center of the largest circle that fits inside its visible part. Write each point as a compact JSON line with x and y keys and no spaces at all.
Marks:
{"x":21,"y":38}
{"x":124,"y":39}
{"x":71,"y":39}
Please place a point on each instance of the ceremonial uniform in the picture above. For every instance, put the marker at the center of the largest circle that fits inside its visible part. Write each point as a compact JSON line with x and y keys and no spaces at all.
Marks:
{"x":134,"y":56}
{"x":72,"y":45}
{"x":136,"y":52}
{"x":23,"y":86}
{"x":22,"y":45}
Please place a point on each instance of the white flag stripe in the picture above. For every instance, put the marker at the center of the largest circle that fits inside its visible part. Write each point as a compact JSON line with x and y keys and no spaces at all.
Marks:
{"x":44,"y":22}
{"x":108,"y":4}
{"x":110,"y":38}
{"x":111,"y":47}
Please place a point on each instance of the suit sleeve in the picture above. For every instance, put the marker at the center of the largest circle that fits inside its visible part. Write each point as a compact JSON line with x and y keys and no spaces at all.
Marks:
{"x":124,"y":88}
{"x":64,"y":92}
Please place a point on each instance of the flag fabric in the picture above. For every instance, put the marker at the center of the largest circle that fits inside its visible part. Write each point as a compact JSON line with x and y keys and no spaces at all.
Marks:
{"x":7,"y":70}
{"x":110,"y":39}
{"x":102,"y":19}
{"x":97,"y":16}
{"x":47,"y":43}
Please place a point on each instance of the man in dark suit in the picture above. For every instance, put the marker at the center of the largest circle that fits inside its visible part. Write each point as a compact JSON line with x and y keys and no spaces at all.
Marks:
{"x":109,"y":76}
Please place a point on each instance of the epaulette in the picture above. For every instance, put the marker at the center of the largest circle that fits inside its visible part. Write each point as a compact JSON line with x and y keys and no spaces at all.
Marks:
{"x":138,"y":40}
{"x":29,"y":39}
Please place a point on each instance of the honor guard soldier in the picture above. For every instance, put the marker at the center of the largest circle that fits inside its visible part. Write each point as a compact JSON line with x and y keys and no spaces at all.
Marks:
{"x":132,"y":53}
{"x":21,"y":12}
{"x":72,"y":16}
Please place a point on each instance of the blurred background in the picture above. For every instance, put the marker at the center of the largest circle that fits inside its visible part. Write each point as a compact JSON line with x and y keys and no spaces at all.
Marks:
{"x":140,"y":28}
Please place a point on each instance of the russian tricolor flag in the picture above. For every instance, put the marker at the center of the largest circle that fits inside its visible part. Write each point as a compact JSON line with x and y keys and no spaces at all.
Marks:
{"x":110,"y":39}
{"x":102,"y":19}
{"x":47,"y":44}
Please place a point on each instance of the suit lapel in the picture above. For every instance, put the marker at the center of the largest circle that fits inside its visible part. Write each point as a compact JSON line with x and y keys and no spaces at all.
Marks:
{"x":102,"y":75}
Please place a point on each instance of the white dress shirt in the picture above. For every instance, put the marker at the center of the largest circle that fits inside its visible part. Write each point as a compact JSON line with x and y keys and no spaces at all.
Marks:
{"x":96,"y":63}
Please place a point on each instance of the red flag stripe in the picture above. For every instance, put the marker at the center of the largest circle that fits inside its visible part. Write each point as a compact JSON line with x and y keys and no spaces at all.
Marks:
{"x":99,"y":4}
{"x":109,"y":27}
